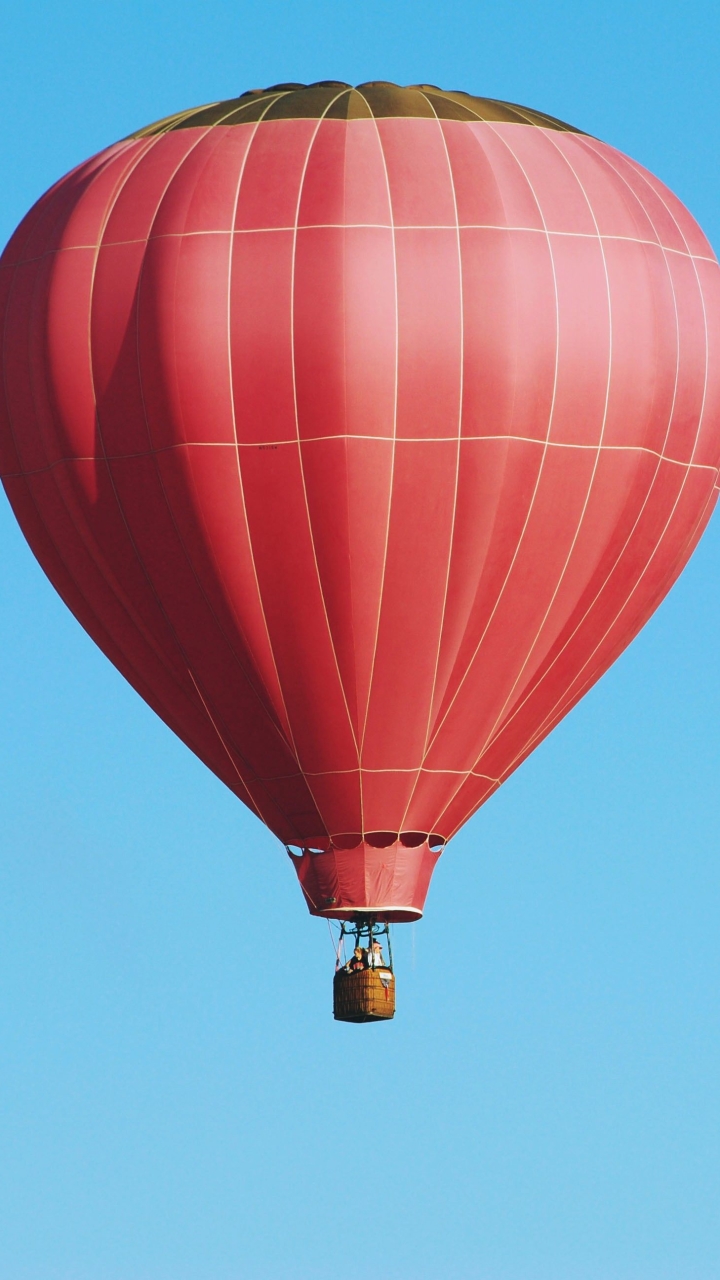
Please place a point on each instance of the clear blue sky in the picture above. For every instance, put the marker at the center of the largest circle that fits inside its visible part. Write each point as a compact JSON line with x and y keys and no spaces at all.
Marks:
{"x":175,"y":1100}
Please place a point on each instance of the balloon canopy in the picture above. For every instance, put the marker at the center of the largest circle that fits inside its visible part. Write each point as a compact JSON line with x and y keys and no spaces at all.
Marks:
{"x":362,"y":429}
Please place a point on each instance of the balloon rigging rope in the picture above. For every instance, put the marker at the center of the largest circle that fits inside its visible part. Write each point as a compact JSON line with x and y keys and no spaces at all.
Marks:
{"x":340,"y":943}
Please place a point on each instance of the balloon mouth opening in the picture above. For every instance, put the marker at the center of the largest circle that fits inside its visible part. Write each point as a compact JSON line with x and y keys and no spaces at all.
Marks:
{"x":375,"y":839}
{"x":379,"y":914}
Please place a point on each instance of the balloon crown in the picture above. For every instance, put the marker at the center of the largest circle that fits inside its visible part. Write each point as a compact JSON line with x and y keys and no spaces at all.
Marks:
{"x":335,"y":100}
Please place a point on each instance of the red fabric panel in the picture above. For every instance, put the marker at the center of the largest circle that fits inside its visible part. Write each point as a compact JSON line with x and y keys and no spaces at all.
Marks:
{"x":390,"y":882}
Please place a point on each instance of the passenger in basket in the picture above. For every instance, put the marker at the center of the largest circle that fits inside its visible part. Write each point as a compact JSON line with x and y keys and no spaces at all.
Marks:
{"x":375,"y":958}
{"x":358,"y":960}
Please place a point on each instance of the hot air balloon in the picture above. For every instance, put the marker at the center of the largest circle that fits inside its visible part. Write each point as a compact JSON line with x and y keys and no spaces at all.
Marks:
{"x":362,"y":429}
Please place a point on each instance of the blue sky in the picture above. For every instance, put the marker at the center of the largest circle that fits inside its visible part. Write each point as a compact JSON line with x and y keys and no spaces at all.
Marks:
{"x":176,"y":1102}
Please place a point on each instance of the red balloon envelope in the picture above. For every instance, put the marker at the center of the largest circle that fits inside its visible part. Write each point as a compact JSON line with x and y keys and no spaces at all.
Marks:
{"x":362,"y":429}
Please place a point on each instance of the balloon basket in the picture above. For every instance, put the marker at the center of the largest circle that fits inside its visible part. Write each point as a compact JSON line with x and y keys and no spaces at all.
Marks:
{"x":364,"y":984}
{"x":365,"y":996}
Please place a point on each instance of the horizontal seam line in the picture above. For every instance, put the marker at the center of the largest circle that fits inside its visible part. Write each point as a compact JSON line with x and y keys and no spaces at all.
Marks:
{"x":377,"y":226}
{"x":223,"y":444}
{"x":332,"y":773}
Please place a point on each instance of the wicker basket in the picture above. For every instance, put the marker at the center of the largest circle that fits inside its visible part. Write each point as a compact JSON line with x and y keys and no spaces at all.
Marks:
{"x":366,"y":995}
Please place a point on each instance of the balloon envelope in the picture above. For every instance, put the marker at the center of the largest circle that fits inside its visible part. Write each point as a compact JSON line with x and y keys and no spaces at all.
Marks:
{"x":362,"y":429}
